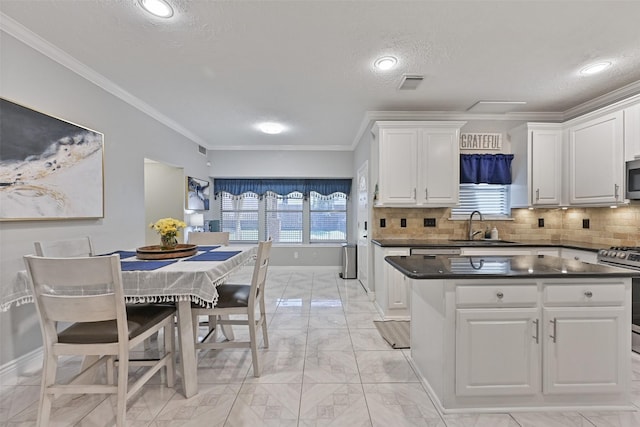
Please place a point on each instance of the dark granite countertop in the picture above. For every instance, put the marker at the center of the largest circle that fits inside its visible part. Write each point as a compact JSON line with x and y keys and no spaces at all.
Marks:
{"x":432,"y":243}
{"x":516,"y":266}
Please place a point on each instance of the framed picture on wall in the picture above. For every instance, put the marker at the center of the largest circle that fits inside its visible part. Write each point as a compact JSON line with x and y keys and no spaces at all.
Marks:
{"x":197,"y":195}
{"x":49,"y":168}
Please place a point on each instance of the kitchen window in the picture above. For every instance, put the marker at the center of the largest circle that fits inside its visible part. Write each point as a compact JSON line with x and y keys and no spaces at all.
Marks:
{"x":493,"y":200}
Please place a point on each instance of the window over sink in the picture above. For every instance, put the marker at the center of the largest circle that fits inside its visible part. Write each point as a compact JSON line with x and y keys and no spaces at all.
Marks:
{"x":493,"y":200}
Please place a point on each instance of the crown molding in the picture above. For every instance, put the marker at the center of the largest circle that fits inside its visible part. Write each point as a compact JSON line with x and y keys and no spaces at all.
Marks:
{"x":26,"y":36}
{"x":617,"y":96}
{"x":373,"y":116}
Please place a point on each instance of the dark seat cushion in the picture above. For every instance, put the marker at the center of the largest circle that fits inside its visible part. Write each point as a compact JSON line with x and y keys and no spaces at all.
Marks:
{"x":140,"y":318}
{"x":233,"y":295}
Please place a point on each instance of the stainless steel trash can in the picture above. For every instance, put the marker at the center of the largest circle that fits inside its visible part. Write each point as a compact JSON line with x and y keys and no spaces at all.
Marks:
{"x":349,"y":261}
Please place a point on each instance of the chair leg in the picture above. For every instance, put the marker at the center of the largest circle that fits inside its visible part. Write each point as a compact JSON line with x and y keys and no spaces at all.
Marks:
{"x":123,"y":376}
{"x":169,"y":346}
{"x":254,"y":346}
{"x":49,"y":368}
{"x":263,"y":319}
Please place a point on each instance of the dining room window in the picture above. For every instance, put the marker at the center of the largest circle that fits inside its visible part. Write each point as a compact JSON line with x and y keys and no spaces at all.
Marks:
{"x":287,"y":210}
{"x":284,"y":217}
{"x":240,"y":216}
{"x":327,"y":217}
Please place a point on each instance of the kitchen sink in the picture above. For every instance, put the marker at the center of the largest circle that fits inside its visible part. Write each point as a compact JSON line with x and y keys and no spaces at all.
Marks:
{"x":481,"y":242}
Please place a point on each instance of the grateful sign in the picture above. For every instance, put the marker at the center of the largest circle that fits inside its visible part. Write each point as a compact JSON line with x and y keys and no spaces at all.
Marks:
{"x":481,"y":141}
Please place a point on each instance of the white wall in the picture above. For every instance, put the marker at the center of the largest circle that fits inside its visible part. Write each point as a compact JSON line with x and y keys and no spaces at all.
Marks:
{"x":281,"y":164}
{"x":32,"y":79}
{"x":164,"y":196}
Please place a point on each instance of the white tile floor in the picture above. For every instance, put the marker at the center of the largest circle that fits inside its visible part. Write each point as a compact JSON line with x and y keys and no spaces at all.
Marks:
{"x":326,"y":366}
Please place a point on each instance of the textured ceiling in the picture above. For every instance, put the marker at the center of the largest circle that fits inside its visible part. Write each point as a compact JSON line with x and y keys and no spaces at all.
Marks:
{"x":219,"y":67}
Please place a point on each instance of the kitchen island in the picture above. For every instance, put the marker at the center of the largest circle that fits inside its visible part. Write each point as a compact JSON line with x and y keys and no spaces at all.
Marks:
{"x":508,"y":333}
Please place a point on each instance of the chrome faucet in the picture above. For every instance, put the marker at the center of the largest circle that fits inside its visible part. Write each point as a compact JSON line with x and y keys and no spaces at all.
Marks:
{"x":471,"y":232}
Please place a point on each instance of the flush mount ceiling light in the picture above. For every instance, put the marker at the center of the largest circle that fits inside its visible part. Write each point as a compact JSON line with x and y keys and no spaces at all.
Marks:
{"x":595,"y":68}
{"x":159,"y":8}
{"x":385,"y":63}
{"x":271,"y":128}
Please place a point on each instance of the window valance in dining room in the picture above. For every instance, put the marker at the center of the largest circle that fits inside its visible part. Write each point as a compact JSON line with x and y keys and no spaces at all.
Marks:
{"x":485,"y":168}
{"x":238,"y":186}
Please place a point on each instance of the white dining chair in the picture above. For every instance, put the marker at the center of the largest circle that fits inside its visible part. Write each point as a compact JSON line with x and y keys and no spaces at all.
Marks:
{"x":79,"y":247}
{"x":88,"y":292}
{"x":240,"y":299}
{"x":209,"y":238}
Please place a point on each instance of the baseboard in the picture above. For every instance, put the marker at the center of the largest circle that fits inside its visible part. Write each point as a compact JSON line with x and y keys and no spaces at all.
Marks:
{"x":332,"y":268}
{"x":24,"y":365}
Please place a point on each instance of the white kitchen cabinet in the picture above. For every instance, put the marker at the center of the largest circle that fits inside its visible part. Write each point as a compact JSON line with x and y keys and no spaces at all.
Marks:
{"x":537,"y":176}
{"x":579,"y":255}
{"x":591,"y":335}
{"x":392,"y":293}
{"x":418,"y":163}
{"x":506,"y":344}
{"x":632,"y":132}
{"x":596,"y":161}
{"x":497,"y":352}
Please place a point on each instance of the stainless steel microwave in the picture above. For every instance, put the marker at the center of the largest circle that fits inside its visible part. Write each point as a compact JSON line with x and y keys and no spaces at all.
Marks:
{"x":632,"y":178}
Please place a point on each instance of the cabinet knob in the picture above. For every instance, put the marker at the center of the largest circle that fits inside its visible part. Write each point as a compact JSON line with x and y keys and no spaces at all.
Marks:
{"x":499,"y":294}
{"x":588,"y":294}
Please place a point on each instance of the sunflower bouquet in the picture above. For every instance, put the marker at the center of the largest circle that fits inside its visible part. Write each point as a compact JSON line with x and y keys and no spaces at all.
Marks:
{"x":168,"y":229}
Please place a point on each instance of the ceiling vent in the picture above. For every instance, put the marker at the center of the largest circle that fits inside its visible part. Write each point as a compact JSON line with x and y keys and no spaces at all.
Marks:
{"x":202,"y":150}
{"x":410,"y":81}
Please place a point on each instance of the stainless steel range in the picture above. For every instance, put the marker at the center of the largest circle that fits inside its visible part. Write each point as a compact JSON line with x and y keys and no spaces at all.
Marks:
{"x":627,"y":257}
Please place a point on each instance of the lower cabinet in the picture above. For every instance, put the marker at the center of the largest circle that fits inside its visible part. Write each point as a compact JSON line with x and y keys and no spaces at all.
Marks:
{"x":581,"y":351}
{"x":496,"y":352}
{"x":508,"y":343}
{"x":392,"y":292}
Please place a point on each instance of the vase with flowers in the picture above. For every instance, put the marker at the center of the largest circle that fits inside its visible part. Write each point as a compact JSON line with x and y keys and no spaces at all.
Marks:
{"x":168,"y":229}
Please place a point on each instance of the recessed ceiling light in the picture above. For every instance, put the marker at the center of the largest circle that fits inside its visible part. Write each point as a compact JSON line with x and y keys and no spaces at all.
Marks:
{"x":385,"y":63}
{"x":159,"y":8}
{"x":271,"y":128}
{"x":595,"y":68}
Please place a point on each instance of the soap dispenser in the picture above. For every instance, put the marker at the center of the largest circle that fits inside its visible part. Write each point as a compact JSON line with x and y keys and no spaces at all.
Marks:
{"x":494,"y":234}
{"x":487,"y":233}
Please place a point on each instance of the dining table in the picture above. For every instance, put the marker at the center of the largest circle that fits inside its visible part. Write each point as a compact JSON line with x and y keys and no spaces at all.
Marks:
{"x":182,"y":281}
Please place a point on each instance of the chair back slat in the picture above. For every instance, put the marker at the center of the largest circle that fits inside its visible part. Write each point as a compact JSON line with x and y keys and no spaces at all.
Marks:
{"x":209,"y":238}
{"x":78,"y":309}
{"x":80,"y":247}
{"x":87,"y":289}
{"x":260,"y":269}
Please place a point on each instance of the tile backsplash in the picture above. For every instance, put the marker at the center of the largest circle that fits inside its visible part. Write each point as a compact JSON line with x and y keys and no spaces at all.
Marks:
{"x":606,"y":226}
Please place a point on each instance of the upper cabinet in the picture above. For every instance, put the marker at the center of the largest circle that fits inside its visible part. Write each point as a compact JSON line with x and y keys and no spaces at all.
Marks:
{"x":596,"y":160}
{"x":538,"y":174}
{"x":580,"y":162}
{"x":418,"y":163}
{"x":632,"y":132}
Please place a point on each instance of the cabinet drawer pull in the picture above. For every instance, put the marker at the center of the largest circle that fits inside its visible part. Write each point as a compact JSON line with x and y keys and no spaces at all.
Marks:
{"x":426,"y":193}
{"x":537,"y":194}
{"x":555,"y":334}
{"x":499,"y":294}
{"x":537,"y":335}
{"x":588,"y":294}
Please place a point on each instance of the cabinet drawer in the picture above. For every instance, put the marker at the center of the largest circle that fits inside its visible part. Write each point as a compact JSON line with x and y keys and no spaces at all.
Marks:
{"x":497,"y":296}
{"x":584,"y":294}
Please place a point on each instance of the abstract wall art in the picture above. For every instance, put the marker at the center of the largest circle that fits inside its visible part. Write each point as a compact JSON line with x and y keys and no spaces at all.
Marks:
{"x":49,"y":168}
{"x":197,"y":195}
